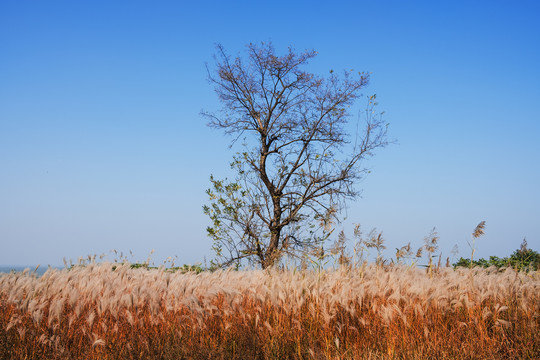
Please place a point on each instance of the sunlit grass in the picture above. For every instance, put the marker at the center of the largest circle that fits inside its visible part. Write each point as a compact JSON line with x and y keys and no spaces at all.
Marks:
{"x":93,"y":312}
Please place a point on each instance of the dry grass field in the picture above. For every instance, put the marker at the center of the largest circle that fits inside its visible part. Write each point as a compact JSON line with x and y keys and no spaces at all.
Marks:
{"x":366,"y":312}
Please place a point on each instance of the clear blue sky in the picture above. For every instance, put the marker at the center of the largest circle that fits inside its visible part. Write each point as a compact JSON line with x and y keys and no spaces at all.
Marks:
{"x":102,"y":146}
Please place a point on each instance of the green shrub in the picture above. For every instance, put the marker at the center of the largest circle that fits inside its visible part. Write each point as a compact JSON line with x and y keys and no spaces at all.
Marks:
{"x":523,"y":259}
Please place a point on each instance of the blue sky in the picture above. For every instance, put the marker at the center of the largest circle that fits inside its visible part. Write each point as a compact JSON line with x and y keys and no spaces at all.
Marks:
{"x":102,"y":146}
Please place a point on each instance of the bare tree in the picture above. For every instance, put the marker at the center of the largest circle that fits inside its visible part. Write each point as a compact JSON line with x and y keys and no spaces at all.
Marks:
{"x":298,"y":165}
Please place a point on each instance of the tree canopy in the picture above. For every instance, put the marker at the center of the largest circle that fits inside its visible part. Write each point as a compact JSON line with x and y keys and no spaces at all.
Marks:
{"x":298,"y":162}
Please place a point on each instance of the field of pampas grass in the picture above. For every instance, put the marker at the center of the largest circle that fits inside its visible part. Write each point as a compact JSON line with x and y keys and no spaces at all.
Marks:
{"x":369,"y":312}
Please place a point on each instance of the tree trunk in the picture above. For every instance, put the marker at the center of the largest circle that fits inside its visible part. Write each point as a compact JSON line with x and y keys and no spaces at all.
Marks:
{"x":272,"y":253}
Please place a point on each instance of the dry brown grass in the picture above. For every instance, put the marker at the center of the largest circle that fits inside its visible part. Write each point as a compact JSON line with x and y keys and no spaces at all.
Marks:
{"x":368,"y":312}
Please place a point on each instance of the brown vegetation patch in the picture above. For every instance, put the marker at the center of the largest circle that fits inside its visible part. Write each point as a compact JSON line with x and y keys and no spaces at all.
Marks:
{"x":368,"y":312}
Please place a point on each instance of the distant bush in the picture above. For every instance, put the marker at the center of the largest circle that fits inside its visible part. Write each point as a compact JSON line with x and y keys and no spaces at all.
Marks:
{"x":523,"y":259}
{"x":182,"y":269}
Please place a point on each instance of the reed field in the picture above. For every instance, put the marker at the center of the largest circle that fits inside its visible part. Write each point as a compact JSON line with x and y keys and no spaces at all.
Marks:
{"x":362,"y":312}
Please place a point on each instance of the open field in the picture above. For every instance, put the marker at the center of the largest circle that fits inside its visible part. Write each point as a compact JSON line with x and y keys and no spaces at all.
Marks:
{"x":369,"y":312}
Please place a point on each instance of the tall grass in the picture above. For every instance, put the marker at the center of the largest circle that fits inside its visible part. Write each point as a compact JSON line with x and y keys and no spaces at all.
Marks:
{"x":362,"y":312}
